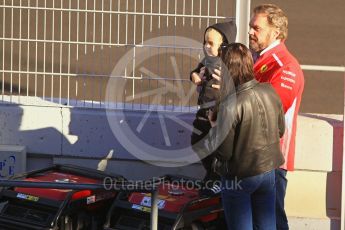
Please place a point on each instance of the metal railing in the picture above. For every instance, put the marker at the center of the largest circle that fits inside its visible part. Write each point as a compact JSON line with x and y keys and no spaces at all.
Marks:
{"x":65,"y":51}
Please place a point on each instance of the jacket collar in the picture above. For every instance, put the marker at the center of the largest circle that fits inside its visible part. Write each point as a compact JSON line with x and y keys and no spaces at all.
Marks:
{"x":274,"y":44}
{"x":247,"y":85}
{"x":275,"y":49}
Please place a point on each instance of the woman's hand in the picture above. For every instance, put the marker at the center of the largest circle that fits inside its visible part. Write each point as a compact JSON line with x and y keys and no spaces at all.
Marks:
{"x":216,"y":76}
{"x":210,"y":118}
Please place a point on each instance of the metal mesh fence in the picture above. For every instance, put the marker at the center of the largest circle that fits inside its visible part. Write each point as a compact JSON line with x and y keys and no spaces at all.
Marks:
{"x":66,"y":51}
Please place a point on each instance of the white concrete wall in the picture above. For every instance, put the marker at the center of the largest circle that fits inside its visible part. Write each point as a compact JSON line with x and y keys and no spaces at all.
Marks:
{"x":77,"y":132}
{"x":37,"y":128}
{"x":314,"y":188}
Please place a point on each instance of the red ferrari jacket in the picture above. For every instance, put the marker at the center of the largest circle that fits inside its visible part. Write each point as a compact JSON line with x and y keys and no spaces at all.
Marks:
{"x":278,"y":67}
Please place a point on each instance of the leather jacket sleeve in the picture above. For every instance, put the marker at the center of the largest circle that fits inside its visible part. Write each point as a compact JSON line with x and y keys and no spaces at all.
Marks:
{"x":226,"y":148}
{"x":281,"y":122}
{"x":224,"y":132}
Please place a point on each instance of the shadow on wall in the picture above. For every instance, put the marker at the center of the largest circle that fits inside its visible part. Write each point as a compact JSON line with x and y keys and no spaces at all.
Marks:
{"x":88,"y":133}
{"x":79,"y":134}
{"x":55,"y":131}
{"x":96,"y":146}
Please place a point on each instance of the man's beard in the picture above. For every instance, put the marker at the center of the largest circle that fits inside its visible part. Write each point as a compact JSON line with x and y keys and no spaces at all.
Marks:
{"x":257,"y":46}
{"x":253,"y":44}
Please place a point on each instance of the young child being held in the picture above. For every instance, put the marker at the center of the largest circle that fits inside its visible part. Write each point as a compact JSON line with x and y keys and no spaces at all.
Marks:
{"x":215,"y":36}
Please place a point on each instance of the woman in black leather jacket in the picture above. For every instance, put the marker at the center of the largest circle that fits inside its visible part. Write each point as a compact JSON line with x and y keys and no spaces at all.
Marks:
{"x":249,"y":124}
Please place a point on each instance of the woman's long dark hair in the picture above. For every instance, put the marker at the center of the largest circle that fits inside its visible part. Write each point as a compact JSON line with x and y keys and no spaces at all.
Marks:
{"x":239,"y":69}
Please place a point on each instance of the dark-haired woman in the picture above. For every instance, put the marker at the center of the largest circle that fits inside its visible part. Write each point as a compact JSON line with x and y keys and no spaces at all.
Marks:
{"x":249,"y":124}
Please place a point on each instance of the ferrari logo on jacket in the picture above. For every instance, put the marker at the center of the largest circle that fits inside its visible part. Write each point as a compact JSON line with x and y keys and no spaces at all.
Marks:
{"x":263,"y":68}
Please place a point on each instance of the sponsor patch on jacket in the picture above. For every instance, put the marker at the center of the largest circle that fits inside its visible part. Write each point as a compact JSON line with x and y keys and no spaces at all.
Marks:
{"x":285,"y":86}
{"x":289,"y":73}
{"x":263,"y":68}
{"x":288,"y":79}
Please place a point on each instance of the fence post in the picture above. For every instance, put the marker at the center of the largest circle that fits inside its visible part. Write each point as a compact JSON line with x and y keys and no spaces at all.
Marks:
{"x":242,"y":20}
{"x":342,"y":213}
{"x":154,"y":209}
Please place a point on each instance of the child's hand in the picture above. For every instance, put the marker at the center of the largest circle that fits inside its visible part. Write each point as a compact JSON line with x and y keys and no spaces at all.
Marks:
{"x":202,"y":73}
{"x":198,"y":78}
{"x":216,"y":76}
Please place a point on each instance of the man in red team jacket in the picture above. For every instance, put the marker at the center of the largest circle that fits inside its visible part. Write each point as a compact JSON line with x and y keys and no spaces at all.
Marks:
{"x":275,"y":64}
